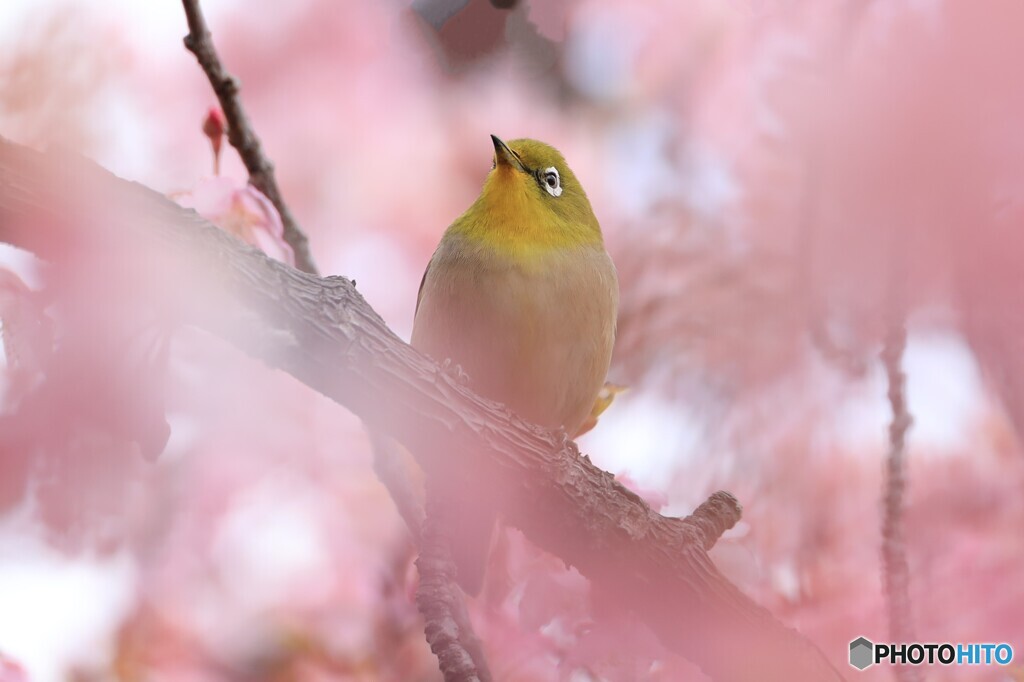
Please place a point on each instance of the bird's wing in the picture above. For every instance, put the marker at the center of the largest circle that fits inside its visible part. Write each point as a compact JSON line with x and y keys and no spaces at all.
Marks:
{"x":419,"y":294}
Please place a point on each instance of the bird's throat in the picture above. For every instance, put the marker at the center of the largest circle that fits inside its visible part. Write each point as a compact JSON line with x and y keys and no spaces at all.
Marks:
{"x":511,"y":217}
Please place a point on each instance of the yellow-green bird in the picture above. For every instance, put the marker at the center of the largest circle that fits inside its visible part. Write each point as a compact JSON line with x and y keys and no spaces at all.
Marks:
{"x":523,"y":296}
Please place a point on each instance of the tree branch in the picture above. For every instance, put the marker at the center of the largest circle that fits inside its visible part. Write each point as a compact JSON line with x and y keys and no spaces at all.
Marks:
{"x":322,"y":332}
{"x":448,"y":628}
{"x":240,"y":132}
{"x":895,"y":571}
{"x":437,"y":576}
{"x":393,"y":471}
{"x":440,"y":600}
{"x":714,"y":516}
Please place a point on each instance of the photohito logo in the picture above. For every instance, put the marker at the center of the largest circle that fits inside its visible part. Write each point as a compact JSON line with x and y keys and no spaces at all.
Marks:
{"x":865,"y":653}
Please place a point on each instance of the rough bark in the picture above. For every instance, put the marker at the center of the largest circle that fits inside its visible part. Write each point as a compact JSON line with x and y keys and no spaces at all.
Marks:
{"x":438,"y":597}
{"x":895,"y":570}
{"x":324,"y":333}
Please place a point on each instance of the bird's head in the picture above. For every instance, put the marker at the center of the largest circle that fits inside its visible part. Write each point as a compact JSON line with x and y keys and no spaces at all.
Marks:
{"x":531,"y":200}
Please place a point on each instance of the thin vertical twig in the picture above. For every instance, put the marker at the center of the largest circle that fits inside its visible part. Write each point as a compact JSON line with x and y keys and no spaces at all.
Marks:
{"x":392,"y":468}
{"x":240,"y":132}
{"x":895,"y":570}
{"x":440,"y":600}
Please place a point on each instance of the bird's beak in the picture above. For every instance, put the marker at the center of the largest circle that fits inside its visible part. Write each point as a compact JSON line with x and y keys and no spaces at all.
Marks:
{"x":504,"y":156}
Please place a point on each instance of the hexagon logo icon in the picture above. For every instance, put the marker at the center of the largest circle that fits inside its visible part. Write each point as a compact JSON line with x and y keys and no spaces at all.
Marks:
{"x":862,"y":653}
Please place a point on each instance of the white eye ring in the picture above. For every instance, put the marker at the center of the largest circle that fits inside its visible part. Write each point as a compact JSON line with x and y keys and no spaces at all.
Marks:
{"x":551,"y":182}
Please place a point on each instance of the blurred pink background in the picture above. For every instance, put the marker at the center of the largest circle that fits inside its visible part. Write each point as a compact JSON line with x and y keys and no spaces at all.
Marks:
{"x":772,"y":178}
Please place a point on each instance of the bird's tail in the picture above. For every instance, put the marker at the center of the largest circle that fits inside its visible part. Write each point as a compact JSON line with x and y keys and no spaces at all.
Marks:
{"x":604,"y":400}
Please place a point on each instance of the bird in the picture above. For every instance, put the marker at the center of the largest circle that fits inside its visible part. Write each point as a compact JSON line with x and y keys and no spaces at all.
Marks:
{"x":522,"y":296}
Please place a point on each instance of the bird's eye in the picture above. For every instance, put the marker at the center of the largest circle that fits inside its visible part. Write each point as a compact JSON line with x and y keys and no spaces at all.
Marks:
{"x":549,"y":178}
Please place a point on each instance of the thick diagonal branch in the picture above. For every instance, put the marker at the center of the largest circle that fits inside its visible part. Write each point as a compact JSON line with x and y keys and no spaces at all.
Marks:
{"x":323,"y":333}
{"x":241,"y":134}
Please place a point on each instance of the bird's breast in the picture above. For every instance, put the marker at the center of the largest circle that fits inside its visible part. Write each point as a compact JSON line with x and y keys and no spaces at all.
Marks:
{"x":536,"y":334}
